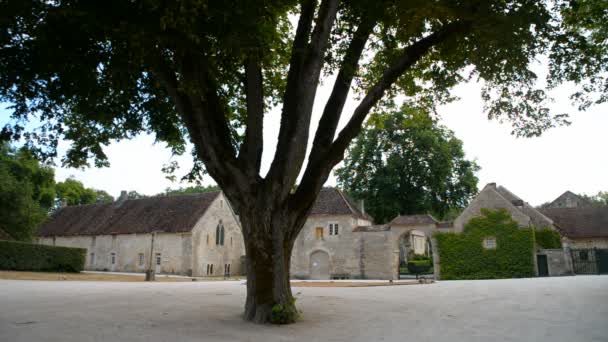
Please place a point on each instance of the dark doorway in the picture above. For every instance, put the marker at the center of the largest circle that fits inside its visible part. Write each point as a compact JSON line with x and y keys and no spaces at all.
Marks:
{"x":543,"y":267}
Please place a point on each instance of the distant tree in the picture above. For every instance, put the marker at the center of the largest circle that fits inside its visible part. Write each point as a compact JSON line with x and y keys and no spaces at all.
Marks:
{"x":26,"y":192}
{"x":135,"y":195}
{"x":600,"y":199}
{"x":404,"y":162}
{"x":75,"y":193}
{"x":190,"y":190}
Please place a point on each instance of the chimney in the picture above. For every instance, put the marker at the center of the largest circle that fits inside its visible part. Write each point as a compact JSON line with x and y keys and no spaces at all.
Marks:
{"x":124,"y":195}
{"x":362,"y":206}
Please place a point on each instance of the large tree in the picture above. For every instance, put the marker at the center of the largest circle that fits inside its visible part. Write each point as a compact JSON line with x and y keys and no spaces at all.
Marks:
{"x":207,"y":71}
{"x":26,"y":192}
{"x":405,"y":162}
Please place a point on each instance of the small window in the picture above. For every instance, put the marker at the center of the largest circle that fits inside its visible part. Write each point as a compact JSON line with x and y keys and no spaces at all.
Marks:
{"x":158,"y":258}
{"x":207,"y":239}
{"x":92,"y":259}
{"x":113,"y":258}
{"x":211,"y":270}
{"x":141,"y":259}
{"x":489,"y":243}
{"x":208,"y":269}
{"x":319,"y":233}
{"x":333,"y":229}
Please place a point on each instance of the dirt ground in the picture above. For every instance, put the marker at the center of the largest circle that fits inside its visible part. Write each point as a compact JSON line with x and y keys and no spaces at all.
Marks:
{"x":82,"y":277}
{"x":49,"y":276}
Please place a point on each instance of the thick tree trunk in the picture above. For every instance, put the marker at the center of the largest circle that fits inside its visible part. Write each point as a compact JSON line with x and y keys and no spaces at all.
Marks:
{"x":269,"y":298}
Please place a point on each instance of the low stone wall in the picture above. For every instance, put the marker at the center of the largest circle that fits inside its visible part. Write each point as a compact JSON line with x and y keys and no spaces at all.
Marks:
{"x":558,"y":261}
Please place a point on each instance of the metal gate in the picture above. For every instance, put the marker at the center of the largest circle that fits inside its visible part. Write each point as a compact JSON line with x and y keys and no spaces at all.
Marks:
{"x":590,"y":261}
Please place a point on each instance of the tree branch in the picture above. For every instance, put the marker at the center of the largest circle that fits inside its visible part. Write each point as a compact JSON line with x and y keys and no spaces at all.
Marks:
{"x":299,"y":98}
{"x":204,"y":119}
{"x":335,"y":104}
{"x":252,"y":147}
{"x":318,"y":170}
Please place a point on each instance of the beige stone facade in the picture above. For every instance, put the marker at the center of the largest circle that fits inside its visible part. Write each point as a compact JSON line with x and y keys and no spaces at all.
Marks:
{"x":196,"y":252}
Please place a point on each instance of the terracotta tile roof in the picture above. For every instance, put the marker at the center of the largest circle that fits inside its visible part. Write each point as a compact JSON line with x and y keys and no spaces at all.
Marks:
{"x":373,"y":228}
{"x":4,"y":235}
{"x":332,"y":201}
{"x":580,"y":222}
{"x":170,"y":214}
{"x":413,"y":220}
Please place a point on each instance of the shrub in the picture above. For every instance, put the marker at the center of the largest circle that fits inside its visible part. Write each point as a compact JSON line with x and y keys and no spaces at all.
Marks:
{"x":464,"y":257}
{"x":548,"y":238}
{"x":418,"y":266}
{"x":20,"y":256}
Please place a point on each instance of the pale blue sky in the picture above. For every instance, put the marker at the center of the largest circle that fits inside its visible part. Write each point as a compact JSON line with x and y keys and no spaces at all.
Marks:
{"x":537,"y":169}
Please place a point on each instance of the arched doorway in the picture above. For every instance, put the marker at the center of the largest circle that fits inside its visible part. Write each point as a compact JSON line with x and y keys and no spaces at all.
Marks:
{"x":414,"y":245}
{"x":319,"y":265}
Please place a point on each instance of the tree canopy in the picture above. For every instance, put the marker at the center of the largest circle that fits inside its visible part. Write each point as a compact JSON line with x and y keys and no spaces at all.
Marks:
{"x":75,"y":193}
{"x":404,"y":162}
{"x":26,"y":192}
{"x":190,"y":190}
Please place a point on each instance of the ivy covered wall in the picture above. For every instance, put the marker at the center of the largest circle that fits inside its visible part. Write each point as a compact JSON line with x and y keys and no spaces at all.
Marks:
{"x":508,"y":251}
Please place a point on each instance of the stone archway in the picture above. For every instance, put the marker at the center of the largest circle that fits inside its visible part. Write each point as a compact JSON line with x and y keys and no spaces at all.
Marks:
{"x":319,"y":265}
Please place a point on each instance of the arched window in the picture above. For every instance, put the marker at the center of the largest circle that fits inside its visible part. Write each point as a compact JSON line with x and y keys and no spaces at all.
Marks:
{"x":219,"y":234}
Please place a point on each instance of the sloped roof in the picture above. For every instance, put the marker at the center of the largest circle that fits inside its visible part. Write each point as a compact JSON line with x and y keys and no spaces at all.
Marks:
{"x":332,"y":201}
{"x":537,"y":218}
{"x":413,"y":220}
{"x":170,"y":214}
{"x":589,"y":222}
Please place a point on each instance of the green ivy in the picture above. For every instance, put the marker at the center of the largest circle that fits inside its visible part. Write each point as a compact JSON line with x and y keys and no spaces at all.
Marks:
{"x":548,"y":238}
{"x":464,"y":257}
{"x":285,"y":313}
{"x":20,"y":256}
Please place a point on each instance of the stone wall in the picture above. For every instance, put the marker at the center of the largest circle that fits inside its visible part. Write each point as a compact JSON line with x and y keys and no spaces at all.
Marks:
{"x":557,"y":262}
{"x":342,"y":248}
{"x":172,"y":247}
{"x":489,"y":198}
{"x":207,"y":252}
{"x":587,"y":243}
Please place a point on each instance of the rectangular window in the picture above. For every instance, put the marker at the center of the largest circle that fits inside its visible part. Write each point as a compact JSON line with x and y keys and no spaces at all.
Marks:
{"x":333,"y":229}
{"x":158,"y":258}
{"x":208,"y":269}
{"x":489,"y":243}
{"x":211,"y":270}
{"x":92,"y":259}
{"x":141,"y":259}
{"x":113,"y":258}
{"x":319,"y":233}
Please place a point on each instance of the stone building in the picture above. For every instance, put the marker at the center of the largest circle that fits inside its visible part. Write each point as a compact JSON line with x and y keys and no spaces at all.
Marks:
{"x":569,"y":200}
{"x":195,"y":235}
{"x":581,"y":227}
{"x":339,"y":240}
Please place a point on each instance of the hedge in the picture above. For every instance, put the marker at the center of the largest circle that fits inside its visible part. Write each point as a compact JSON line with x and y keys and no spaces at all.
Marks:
{"x":462,"y":256}
{"x":548,"y":238}
{"x":21,"y":256}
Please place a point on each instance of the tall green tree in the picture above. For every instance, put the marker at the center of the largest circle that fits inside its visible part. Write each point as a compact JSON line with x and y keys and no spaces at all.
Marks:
{"x":75,"y":193}
{"x":26,"y":192}
{"x":208,"y":71}
{"x":404,"y":162}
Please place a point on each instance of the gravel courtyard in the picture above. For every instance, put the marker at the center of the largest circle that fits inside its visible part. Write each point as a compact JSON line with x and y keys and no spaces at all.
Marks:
{"x":544,"y":309}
